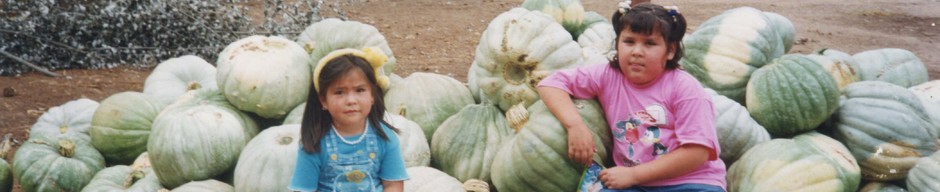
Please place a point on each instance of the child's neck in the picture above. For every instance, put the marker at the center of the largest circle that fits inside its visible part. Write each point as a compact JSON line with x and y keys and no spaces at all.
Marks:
{"x":347,"y":130}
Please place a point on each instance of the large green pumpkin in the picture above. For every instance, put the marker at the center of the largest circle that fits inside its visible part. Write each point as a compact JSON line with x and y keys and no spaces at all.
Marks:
{"x":897,"y":66}
{"x":808,"y":162}
{"x":49,"y":163}
{"x":465,"y":144}
{"x":887,"y":128}
{"x":268,"y":76}
{"x":568,"y":13}
{"x":175,"y":76}
{"x":205,"y":185}
{"x":267,"y":162}
{"x":725,"y":49}
{"x":330,"y":34}
{"x":426,"y":179}
{"x":536,"y":159}
{"x":124,"y":178}
{"x":121,"y":125}
{"x":925,"y":175}
{"x":518,"y":49}
{"x":792,"y":95}
{"x":427,"y":99}
{"x":68,"y":121}
{"x":737,"y":131}
{"x":198,"y":137}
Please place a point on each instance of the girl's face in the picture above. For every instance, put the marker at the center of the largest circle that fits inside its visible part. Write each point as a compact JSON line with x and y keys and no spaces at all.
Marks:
{"x":349,"y":100}
{"x":642,"y":57}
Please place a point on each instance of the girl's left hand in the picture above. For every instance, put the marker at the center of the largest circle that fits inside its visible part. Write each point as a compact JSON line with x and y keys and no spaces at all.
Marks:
{"x":619,"y":177}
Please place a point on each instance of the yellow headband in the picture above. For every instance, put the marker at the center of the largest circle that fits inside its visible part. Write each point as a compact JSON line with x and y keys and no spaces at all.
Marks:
{"x":374,"y":56}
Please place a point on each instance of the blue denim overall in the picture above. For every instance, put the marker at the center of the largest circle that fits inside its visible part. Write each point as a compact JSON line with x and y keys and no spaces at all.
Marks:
{"x":353,"y":171}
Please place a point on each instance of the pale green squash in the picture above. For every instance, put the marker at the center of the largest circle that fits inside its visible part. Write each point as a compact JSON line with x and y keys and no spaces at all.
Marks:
{"x":898,"y":66}
{"x":569,"y":13}
{"x":886,"y":127}
{"x":725,"y":49}
{"x":427,"y":99}
{"x":175,"y":76}
{"x":808,"y":162}
{"x":6,"y":172}
{"x":413,"y":144}
{"x":465,"y":144}
{"x":267,"y":76}
{"x":426,"y":179}
{"x":523,"y":163}
{"x":792,"y":95}
{"x":925,"y":175}
{"x":121,"y":125}
{"x":267,"y":161}
{"x":518,"y":49}
{"x":737,"y":131}
{"x":296,"y":115}
{"x":124,"y":178}
{"x":205,"y":185}
{"x":198,"y":137}
{"x":929,"y":91}
{"x":68,"y":121}
{"x":597,"y":40}
{"x":51,"y":163}
{"x":330,"y":34}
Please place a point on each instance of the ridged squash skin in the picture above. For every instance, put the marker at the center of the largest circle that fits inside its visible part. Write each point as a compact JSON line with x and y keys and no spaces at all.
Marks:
{"x":792,"y":95}
{"x":808,"y":162}
{"x":465,"y":144}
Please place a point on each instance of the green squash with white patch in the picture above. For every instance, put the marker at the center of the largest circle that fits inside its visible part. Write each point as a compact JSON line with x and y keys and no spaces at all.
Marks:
{"x":267,"y":76}
{"x":52,"y":163}
{"x":791,"y":95}
{"x":267,"y":161}
{"x":887,"y":128}
{"x":725,"y":49}
{"x":67,"y":121}
{"x":839,"y":65}
{"x":808,"y":162}
{"x":518,"y":49}
{"x":568,"y":13}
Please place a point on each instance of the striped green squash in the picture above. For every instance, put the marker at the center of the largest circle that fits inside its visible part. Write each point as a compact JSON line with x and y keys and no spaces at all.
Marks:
{"x":331,"y":34}
{"x":51,"y":163}
{"x":925,"y":175}
{"x":737,"y":130}
{"x":427,"y":99}
{"x":568,"y":13}
{"x":808,"y":162}
{"x":121,"y":125}
{"x":465,"y":144}
{"x":792,"y":95}
{"x":725,"y":49}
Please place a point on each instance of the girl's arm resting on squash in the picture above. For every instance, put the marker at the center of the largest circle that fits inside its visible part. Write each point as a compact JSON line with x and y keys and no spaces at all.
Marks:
{"x":580,"y":141}
{"x":393,"y":186}
{"x":683,"y":160}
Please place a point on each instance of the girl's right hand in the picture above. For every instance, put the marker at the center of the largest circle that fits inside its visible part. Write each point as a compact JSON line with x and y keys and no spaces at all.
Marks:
{"x":581,"y":145}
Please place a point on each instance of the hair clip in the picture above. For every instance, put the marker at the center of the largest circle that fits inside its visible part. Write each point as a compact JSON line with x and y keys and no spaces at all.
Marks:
{"x":673,"y":10}
{"x":624,"y":6}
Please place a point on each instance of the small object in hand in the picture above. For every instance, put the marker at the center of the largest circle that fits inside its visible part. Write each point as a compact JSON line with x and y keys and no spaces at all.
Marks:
{"x":9,"y":92}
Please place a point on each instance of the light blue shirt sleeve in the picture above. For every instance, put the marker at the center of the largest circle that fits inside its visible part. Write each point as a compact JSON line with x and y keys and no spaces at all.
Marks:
{"x":393,"y":165}
{"x":306,"y":172}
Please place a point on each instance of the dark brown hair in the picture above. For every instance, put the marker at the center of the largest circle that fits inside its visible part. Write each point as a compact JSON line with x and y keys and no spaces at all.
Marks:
{"x":647,"y":18}
{"x":316,"y":122}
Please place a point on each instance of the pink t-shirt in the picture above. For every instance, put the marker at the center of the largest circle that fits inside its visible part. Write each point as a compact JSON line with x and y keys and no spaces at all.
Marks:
{"x":651,"y":121}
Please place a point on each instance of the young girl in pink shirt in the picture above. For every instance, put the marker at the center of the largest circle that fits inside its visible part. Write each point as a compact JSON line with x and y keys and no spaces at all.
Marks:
{"x":660,"y":116}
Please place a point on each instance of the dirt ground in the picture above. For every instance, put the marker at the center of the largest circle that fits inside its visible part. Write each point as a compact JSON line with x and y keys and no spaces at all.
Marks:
{"x":440,"y":36}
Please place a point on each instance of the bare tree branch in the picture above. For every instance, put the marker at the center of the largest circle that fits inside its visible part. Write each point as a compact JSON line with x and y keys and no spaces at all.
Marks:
{"x":31,"y":65}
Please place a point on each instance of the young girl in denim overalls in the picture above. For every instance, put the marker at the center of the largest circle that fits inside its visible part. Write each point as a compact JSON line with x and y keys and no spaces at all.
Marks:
{"x":643,"y":90}
{"x":346,"y":145}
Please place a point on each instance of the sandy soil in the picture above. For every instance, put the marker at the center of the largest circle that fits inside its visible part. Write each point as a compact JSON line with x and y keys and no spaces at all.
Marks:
{"x":440,"y":36}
